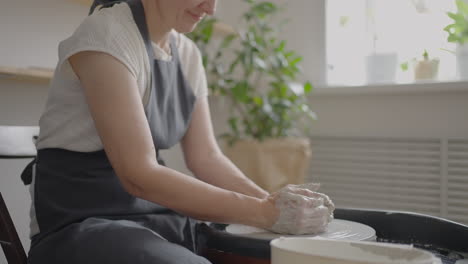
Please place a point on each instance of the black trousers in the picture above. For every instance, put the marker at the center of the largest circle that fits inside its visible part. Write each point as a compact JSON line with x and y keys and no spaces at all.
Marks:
{"x":144,"y":239}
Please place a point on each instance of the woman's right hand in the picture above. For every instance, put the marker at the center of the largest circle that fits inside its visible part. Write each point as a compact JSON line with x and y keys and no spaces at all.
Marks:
{"x":299,"y":210}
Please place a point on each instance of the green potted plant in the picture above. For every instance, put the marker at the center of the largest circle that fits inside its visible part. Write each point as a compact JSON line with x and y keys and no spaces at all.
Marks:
{"x":424,"y":67}
{"x":255,"y":72}
{"x":458,"y":33}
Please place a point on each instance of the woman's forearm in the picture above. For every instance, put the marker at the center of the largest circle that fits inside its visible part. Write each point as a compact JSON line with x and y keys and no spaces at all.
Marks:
{"x":218,"y":170}
{"x":200,"y":200}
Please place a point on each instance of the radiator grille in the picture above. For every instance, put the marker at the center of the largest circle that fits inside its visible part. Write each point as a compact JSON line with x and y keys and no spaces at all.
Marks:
{"x":428,"y":176}
{"x":457,"y":175}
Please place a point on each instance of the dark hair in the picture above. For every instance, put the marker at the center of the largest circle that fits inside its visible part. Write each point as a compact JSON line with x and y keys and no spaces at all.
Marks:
{"x":104,"y":3}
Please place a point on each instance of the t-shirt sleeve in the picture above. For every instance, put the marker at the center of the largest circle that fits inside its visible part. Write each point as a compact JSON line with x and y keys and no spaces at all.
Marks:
{"x":192,"y":66}
{"x":101,"y":32}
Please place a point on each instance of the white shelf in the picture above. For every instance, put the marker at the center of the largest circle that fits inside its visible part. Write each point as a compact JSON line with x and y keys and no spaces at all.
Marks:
{"x":31,"y":74}
{"x":397,"y":88}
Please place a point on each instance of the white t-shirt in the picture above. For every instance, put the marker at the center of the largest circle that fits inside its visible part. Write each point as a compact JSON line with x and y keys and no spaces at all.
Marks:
{"x":66,"y":122}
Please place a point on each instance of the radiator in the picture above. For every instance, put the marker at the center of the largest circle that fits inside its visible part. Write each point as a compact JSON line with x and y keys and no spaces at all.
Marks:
{"x":428,"y":176}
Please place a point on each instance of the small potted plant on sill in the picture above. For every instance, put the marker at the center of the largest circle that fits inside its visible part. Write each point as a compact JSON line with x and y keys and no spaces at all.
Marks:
{"x":424,"y":68}
{"x":258,"y":76}
{"x":458,"y":33}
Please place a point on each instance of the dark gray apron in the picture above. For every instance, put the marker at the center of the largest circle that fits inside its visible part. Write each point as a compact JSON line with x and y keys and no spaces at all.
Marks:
{"x":83,"y":212}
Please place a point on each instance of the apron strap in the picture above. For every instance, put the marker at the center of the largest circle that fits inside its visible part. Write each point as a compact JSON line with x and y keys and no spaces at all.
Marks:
{"x":138,"y":12}
{"x":27,"y":174}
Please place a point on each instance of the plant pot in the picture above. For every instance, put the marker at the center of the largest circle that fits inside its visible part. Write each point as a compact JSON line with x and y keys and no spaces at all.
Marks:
{"x":426,"y":69}
{"x":381,"y":67}
{"x":272,"y":163}
{"x":462,"y":61}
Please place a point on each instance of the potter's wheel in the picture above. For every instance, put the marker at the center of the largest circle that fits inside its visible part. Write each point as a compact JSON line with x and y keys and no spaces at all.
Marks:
{"x":337,"y":229}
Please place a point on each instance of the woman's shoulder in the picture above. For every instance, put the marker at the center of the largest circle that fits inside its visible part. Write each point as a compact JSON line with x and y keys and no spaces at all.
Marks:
{"x":111,"y":22}
{"x":107,"y":28}
{"x":110,"y":30}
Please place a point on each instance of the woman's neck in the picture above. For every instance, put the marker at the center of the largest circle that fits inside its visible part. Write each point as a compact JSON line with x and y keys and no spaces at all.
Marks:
{"x":158,"y":28}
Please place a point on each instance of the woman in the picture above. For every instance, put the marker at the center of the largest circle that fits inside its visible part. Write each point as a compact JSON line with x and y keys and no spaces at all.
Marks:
{"x":127,"y":84}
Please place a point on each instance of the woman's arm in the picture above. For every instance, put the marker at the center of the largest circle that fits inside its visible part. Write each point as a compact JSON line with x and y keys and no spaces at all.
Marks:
{"x":204,"y":158}
{"x":116,"y":106}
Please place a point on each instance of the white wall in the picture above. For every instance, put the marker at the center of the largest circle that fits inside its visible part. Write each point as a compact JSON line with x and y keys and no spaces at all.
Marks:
{"x":420,"y":115}
{"x":31,"y":29}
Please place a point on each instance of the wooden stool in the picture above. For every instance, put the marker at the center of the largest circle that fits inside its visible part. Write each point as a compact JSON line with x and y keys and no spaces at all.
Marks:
{"x":15,"y":143}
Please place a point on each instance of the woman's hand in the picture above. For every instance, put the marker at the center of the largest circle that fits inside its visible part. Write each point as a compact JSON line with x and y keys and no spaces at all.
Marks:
{"x":300,"y":210}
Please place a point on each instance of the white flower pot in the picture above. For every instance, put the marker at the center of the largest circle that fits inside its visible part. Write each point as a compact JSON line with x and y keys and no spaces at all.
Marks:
{"x":381,"y":67}
{"x":462,"y":61}
{"x":426,"y":69}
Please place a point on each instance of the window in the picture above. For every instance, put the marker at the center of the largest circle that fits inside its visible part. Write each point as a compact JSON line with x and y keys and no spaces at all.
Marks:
{"x":398,"y":31}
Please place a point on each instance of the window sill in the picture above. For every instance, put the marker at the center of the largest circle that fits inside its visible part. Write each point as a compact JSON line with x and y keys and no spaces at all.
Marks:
{"x":30,"y":74}
{"x":395,"y":88}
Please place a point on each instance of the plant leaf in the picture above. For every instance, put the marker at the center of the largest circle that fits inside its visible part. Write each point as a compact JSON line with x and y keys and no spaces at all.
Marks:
{"x":462,"y":7}
{"x":404,"y":66}
{"x":233,"y":124}
{"x":258,"y":100}
{"x":228,"y":40}
{"x":240,"y":92}
{"x":308,"y":87}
